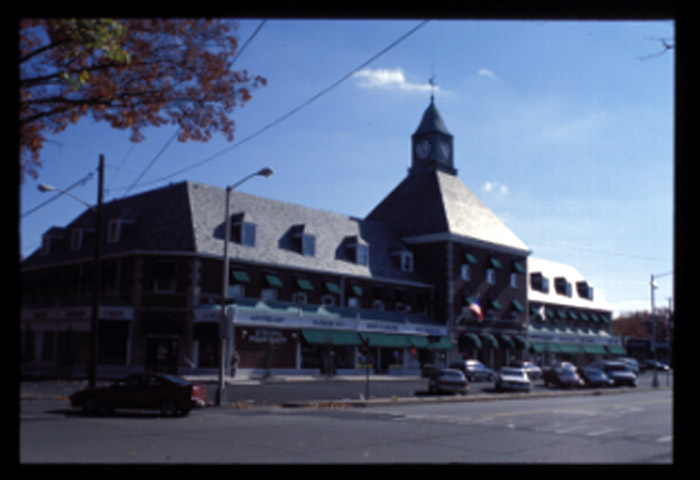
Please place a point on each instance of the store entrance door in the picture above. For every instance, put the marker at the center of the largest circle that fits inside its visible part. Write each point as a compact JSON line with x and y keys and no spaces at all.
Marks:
{"x":161,"y":355}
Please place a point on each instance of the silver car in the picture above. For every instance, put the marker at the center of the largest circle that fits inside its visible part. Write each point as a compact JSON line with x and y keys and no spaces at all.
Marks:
{"x":448,"y":380}
{"x":511,"y":378}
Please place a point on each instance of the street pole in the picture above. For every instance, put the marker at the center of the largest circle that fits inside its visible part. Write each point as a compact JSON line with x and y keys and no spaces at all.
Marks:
{"x":227,"y":331}
{"x":655,"y":381}
{"x":221,"y":391}
{"x":94,"y":317}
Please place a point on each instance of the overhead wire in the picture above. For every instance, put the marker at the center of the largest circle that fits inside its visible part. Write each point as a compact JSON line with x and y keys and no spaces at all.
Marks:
{"x":170,"y":140}
{"x":293,"y":111}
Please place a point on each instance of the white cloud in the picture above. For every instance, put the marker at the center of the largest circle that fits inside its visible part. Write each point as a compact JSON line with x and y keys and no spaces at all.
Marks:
{"x":495,"y":188}
{"x":390,"y":79}
{"x":484,"y":72}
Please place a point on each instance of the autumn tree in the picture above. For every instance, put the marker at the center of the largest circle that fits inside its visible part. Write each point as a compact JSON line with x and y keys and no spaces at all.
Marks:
{"x":131,"y":73}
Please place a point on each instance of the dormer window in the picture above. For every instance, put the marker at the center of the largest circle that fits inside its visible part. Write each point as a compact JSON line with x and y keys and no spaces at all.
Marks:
{"x":51,"y":239}
{"x":539,"y":282}
{"x":243,"y":231}
{"x":306,"y":242}
{"x":562,"y":287}
{"x":584,"y":290}
{"x":76,"y":238}
{"x":405,"y":259}
{"x":356,"y":250}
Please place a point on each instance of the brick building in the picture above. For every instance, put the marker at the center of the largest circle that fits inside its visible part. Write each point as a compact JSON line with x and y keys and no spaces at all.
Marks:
{"x":308,"y":285}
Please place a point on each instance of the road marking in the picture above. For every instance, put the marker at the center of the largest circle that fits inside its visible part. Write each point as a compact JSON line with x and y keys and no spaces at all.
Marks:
{"x":598,"y":433}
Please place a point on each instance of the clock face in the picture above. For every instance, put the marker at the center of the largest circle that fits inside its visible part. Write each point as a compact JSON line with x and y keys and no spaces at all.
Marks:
{"x":445,"y":149}
{"x":422,"y":149}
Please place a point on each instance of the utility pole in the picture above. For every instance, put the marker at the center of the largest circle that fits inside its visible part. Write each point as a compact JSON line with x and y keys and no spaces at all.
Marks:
{"x":92,"y":368}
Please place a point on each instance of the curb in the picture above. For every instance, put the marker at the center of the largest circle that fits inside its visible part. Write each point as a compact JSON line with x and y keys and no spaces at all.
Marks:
{"x":462,"y":398}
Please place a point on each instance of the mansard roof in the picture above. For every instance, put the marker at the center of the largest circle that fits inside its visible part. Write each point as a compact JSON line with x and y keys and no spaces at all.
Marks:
{"x":434,"y":202}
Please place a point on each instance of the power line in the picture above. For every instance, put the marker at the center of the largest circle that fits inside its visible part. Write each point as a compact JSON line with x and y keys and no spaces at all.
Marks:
{"x":170,"y":140}
{"x":294,"y":110}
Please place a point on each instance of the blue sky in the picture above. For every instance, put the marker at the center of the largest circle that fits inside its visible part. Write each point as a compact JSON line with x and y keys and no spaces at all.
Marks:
{"x":564,"y":129}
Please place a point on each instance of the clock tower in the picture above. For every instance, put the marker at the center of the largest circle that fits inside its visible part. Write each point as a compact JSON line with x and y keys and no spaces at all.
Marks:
{"x":432,"y":144}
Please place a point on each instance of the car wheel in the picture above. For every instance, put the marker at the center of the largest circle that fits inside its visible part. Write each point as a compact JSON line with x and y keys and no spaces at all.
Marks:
{"x":168,"y":407}
{"x":90,"y":405}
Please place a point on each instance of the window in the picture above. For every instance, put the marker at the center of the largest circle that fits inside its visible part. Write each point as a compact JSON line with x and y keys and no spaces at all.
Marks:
{"x":405,"y":259}
{"x":491,"y":276}
{"x":114,"y":231}
{"x":466,"y":272}
{"x":299,"y":297}
{"x":308,"y":245}
{"x":164,"y":277}
{"x":562,"y":287}
{"x":244,"y":233}
{"x":76,"y":238}
{"x":268,"y":294}
{"x":539,"y":282}
{"x":378,"y":304}
{"x":362,"y":254}
{"x":514,"y":280}
{"x":584,"y":290}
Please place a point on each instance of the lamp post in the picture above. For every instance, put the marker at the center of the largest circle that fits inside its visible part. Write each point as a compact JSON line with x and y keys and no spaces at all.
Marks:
{"x":224,"y":334}
{"x":653,"y":286}
{"x":94,"y":315}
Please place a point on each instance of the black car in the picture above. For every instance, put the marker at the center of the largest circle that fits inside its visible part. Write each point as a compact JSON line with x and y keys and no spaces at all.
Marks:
{"x":475,"y":371}
{"x":619,"y":372}
{"x":148,"y":391}
{"x":654,"y":365}
{"x":593,"y":377}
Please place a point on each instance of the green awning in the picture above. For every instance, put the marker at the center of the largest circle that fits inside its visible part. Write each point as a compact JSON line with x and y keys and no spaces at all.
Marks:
{"x":470,"y":258}
{"x":473,"y":338}
{"x":616,"y":349}
{"x":330,"y":337}
{"x":570,"y":348}
{"x":520,"y":341}
{"x":495,"y":263}
{"x":273,"y":281}
{"x":387,"y":340}
{"x":538,"y":347}
{"x":506,"y":341}
{"x":496,"y":305}
{"x":594,"y":349}
{"x":518,"y":267}
{"x":304,"y":284}
{"x":490,"y":339}
{"x":443,"y":343}
{"x":333,"y":287}
{"x":357,"y":290}
{"x":240,"y":276}
{"x":518,"y":306}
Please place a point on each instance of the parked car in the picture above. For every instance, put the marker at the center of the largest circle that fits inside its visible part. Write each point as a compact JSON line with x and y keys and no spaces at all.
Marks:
{"x":562,"y":377}
{"x":619,"y":372}
{"x":448,"y":380}
{"x":170,"y":394}
{"x":475,"y":371}
{"x":593,"y":377}
{"x":632,"y":363}
{"x":512,"y":378}
{"x":652,"y":364}
{"x":533,"y":371}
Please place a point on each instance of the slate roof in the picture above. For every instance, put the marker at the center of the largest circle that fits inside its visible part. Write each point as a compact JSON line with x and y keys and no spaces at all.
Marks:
{"x":552,"y":270}
{"x":188,"y":217}
{"x":432,"y":202}
{"x":431,"y":121}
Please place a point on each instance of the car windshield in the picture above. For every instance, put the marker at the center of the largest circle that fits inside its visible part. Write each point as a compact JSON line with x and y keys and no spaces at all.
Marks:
{"x":451,"y":373}
{"x":594,"y":373}
{"x":515,"y":372}
{"x":564,"y":372}
{"x":618,"y":368}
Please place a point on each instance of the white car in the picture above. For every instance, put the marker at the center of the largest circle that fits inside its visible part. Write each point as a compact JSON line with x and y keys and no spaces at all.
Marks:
{"x":511,"y":378}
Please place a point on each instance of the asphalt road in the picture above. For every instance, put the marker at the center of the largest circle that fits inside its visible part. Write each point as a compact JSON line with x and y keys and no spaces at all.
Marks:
{"x":633,"y":426}
{"x":606,"y":429}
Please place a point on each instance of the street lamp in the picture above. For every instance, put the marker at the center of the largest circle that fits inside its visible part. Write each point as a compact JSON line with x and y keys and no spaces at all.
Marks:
{"x":223,"y":360}
{"x":92,"y":366}
{"x":653,"y":286}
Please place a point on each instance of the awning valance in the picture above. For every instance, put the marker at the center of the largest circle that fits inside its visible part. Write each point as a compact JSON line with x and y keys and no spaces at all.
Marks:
{"x":616,"y":349}
{"x":329,"y":337}
{"x":387,"y":340}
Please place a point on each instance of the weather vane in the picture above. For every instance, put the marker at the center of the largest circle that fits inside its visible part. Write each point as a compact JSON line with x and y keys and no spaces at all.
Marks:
{"x":432,"y":83}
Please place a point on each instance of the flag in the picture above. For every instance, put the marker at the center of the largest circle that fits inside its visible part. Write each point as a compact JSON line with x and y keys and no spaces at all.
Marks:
{"x":542,"y":312}
{"x":476,"y":308}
